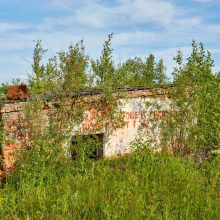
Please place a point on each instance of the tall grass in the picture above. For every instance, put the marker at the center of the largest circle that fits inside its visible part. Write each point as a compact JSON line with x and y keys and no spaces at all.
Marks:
{"x":142,"y":186}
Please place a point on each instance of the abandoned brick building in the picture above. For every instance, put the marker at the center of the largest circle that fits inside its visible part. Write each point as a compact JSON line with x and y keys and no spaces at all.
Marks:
{"x":114,"y":143}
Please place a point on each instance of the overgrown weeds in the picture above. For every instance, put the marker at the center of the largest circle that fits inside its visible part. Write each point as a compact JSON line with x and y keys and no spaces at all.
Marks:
{"x":142,"y":186}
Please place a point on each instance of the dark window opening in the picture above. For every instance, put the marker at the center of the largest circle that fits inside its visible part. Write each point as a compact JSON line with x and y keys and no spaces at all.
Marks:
{"x":91,"y":144}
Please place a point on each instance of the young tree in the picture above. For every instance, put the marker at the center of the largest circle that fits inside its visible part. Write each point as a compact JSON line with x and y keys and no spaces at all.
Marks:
{"x":130,"y":72}
{"x":149,"y":75}
{"x":4,"y":88}
{"x":161,"y":77}
{"x":103,"y":68}
{"x":66,"y":71}
{"x":198,"y":68}
{"x":196,"y":100}
{"x":73,"y":68}
{"x":35,"y":79}
{"x":135,"y":72}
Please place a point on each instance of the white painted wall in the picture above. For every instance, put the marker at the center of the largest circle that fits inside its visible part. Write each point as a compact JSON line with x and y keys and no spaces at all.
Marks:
{"x":117,"y":141}
{"x":136,"y":113}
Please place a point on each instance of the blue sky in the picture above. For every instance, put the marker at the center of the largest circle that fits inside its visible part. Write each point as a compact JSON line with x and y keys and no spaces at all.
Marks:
{"x":140,"y":27}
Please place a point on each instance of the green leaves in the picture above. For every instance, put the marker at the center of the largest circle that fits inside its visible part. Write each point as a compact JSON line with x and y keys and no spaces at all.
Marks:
{"x":37,"y":57}
{"x":4,"y":88}
{"x":136,"y":72}
{"x":103,"y":68}
{"x":72,"y":68}
{"x":196,"y":70}
{"x":65,"y":72}
{"x":161,"y":77}
{"x":132,"y":72}
{"x":69,"y":71}
{"x":196,"y":95}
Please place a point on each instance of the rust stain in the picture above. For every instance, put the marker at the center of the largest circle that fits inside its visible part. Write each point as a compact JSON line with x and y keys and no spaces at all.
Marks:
{"x":18,"y":92}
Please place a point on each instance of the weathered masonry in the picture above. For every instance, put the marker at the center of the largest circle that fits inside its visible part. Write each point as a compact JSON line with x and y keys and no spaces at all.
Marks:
{"x":116,"y":142}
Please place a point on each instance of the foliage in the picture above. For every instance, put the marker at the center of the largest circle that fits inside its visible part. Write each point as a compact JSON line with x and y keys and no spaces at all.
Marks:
{"x":136,"y":72}
{"x":161,"y":77}
{"x":66,"y":71}
{"x":104,"y":67}
{"x":193,"y":122}
{"x":73,"y":66}
{"x":132,"y":72}
{"x":4,"y":88}
{"x":34,"y":80}
{"x":197,"y":70}
{"x":143,"y":186}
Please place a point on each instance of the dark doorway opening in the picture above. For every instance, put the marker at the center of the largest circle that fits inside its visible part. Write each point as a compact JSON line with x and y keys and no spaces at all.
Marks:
{"x":92,"y":145}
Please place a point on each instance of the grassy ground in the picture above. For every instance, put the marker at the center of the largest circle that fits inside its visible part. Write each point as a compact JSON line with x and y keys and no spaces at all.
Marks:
{"x":142,"y":186}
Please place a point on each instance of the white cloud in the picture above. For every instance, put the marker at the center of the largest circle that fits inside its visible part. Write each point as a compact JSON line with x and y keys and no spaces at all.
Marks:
{"x":6,"y":26}
{"x":136,"y":38}
{"x":20,"y":77}
{"x":203,"y":0}
{"x":64,"y":4}
{"x":208,"y":1}
{"x":188,"y":22}
{"x":96,"y":14}
{"x":161,"y":12}
{"x":214,"y":51}
{"x":93,"y":14}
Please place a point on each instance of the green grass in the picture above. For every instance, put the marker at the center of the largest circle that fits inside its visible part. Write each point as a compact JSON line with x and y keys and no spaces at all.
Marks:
{"x":142,"y":186}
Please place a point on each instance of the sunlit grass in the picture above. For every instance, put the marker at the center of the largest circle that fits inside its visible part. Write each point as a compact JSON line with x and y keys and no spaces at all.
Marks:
{"x":143,"y":186}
